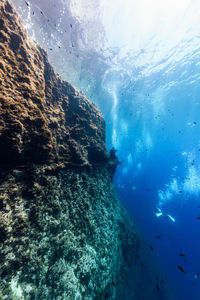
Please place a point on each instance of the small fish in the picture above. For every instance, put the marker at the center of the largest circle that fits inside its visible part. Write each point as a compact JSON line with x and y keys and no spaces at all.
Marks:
{"x":171,"y":218}
{"x":198,"y":218}
{"x":157,"y":209}
{"x":41,"y":12}
{"x":50,"y":49}
{"x":181,"y":269}
{"x":148,"y":190}
{"x":158,"y":236}
{"x":159,"y":214}
{"x":27,"y":3}
{"x":182,"y":254}
{"x":71,"y":25}
{"x":157,"y":287}
{"x":151,"y":247}
{"x":113,"y":283}
{"x":197,"y":275}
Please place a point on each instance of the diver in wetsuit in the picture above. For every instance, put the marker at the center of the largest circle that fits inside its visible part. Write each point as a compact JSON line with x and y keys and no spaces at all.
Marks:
{"x":113,"y":155}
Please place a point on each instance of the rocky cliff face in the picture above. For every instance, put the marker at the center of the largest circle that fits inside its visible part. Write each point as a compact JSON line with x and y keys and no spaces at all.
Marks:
{"x":42,"y":118}
{"x":63,"y":233}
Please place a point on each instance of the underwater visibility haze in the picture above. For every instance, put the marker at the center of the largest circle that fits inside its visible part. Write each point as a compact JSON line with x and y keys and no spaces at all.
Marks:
{"x":139,"y":62}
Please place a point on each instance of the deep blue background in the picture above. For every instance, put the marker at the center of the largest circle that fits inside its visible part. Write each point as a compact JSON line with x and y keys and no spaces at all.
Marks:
{"x":173,"y":151}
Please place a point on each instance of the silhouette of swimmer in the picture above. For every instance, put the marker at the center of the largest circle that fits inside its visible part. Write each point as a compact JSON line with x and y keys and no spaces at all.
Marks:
{"x":113,"y":161}
{"x":113,"y":155}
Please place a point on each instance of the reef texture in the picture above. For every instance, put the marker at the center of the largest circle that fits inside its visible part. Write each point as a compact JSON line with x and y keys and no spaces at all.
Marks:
{"x":63,"y":233}
{"x":42,"y":118}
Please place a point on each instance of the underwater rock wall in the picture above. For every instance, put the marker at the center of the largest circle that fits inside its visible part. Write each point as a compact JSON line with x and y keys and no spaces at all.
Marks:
{"x":42,"y":118}
{"x":63,"y":233}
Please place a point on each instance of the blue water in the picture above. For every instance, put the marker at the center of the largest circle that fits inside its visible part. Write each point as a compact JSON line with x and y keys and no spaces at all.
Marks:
{"x":160,"y":174}
{"x":139,"y":61}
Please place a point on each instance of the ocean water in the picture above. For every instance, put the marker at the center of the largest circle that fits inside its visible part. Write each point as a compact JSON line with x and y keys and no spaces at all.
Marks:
{"x":139,"y":61}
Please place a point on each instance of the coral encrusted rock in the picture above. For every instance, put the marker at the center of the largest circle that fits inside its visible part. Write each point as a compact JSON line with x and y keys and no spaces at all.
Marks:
{"x":42,"y":118}
{"x":63,"y":232}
